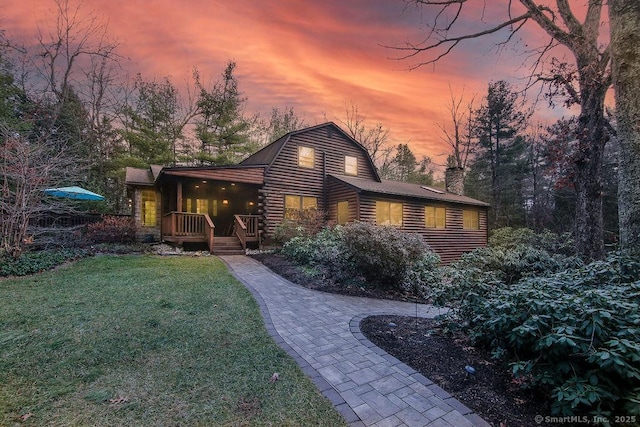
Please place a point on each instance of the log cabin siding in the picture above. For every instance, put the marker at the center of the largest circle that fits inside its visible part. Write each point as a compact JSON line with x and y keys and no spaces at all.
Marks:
{"x":341,"y":193}
{"x":449,"y":242}
{"x":284,"y":176}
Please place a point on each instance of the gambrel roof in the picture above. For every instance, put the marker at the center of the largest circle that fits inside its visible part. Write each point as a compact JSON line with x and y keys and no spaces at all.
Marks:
{"x":267,"y":155}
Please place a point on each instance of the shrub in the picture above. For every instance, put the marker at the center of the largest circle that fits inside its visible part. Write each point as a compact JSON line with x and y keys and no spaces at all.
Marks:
{"x":325,"y":250}
{"x":576,"y":333}
{"x":479,"y":272}
{"x":424,"y":277}
{"x":507,"y":238}
{"x":382,"y":254}
{"x":112,"y":229}
{"x":508,"y":261}
{"x":299,"y":249}
{"x":36,"y":261}
{"x":305,"y":223}
{"x":512,"y":264}
{"x":288,"y":230}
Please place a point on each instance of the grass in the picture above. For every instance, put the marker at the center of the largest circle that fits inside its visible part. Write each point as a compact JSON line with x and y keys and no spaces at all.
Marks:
{"x":145,"y":340}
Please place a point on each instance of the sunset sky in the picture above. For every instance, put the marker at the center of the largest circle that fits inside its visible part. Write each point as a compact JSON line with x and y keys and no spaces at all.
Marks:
{"x":315,"y":56}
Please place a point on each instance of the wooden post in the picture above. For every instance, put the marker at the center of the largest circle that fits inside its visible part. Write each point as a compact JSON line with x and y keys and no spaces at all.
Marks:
{"x":179,"y":197}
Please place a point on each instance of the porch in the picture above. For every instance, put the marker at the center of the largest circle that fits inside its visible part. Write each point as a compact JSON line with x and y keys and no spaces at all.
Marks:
{"x":218,"y":206}
{"x":185,"y":227}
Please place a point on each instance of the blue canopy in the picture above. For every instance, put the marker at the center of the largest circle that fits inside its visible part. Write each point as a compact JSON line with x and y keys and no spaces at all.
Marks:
{"x":74,"y":192}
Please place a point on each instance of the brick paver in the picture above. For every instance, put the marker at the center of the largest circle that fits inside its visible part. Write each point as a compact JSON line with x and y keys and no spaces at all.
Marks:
{"x":321,"y":332}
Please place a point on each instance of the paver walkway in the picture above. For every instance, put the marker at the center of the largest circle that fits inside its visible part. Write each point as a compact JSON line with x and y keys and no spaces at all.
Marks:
{"x":321,"y":332}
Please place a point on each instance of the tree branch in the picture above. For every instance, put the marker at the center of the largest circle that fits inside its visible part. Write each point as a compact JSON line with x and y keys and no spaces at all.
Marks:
{"x":453,"y":41}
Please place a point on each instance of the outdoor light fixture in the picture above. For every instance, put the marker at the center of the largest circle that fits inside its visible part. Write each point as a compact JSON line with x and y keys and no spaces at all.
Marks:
{"x":225,"y":202}
{"x":470,"y":370}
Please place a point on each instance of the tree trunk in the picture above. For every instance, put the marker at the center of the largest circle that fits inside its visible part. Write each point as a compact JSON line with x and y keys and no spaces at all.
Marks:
{"x":592,"y":138}
{"x":624,"y":18}
{"x":589,"y":234}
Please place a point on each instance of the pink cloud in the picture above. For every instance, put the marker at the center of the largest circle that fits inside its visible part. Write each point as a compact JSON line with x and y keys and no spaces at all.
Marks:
{"x":315,"y":56}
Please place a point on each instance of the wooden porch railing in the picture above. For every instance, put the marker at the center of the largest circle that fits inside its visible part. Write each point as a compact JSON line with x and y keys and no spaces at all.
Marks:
{"x":185,"y":226}
{"x":246,"y":228}
{"x":209,"y":230}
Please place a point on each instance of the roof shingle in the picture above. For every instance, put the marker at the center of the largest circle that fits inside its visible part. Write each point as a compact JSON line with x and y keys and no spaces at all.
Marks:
{"x":139,"y":176}
{"x":406,"y":189}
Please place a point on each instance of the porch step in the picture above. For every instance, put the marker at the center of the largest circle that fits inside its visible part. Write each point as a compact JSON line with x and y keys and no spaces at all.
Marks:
{"x":227,"y":246}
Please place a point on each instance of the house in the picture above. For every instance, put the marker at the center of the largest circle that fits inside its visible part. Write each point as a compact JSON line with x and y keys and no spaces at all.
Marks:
{"x":320,"y":168}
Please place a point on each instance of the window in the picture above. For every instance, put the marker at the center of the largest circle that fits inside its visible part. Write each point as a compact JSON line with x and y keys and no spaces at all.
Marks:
{"x":343,"y":212}
{"x":388,"y":213}
{"x":294,"y":205}
{"x":201,"y":206}
{"x":435,"y":217}
{"x":148,"y":208}
{"x":350,"y":165}
{"x":470,"y":220}
{"x":306,"y":157}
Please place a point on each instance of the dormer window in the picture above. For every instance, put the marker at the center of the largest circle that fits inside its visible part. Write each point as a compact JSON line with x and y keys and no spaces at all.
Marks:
{"x":350,"y":165}
{"x":306,"y":157}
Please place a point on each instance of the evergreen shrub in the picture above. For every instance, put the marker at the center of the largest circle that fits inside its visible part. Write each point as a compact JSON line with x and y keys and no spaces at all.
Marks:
{"x":576,"y":332}
{"x":573,"y":331}
{"x":383,"y":256}
{"x":37,"y":261}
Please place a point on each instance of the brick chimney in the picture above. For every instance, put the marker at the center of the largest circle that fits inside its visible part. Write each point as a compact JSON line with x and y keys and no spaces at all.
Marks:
{"x":454,"y":180}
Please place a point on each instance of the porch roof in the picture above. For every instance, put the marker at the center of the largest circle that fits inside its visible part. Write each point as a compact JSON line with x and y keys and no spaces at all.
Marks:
{"x":405,"y":189}
{"x":155,"y":173}
{"x":240,"y":174}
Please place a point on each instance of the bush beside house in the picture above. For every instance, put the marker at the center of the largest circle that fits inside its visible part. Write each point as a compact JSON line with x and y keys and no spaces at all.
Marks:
{"x":379,"y":256}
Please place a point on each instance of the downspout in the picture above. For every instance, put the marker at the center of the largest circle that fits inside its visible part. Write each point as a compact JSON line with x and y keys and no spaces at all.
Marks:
{"x":324,"y":187}
{"x":161,"y":191}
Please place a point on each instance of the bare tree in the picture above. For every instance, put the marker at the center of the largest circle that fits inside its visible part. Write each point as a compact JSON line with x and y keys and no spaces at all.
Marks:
{"x":27,"y":167}
{"x":374,"y":139}
{"x":457,"y":133}
{"x":625,"y":39}
{"x":43,"y":148}
{"x":69,"y":45}
{"x":584,"y":81}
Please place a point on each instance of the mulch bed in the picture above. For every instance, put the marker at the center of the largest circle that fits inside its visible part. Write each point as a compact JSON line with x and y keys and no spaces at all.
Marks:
{"x":439,"y":354}
{"x":443,"y":357}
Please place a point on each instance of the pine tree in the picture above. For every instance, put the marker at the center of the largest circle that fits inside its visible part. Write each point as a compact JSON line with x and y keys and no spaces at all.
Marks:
{"x":221,"y":128}
{"x":500,"y":160}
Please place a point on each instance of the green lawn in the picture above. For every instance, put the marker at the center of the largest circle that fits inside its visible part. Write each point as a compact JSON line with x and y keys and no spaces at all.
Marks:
{"x":145,"y":340}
